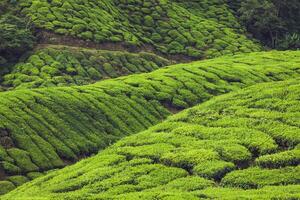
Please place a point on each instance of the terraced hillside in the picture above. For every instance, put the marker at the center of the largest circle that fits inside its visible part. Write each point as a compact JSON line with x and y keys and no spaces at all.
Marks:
{"x":43,"y":129}
{"x":242,"y":145}
{"x":219,"y":11}
{"x":163,"y":26}
{"x":66,"y":66}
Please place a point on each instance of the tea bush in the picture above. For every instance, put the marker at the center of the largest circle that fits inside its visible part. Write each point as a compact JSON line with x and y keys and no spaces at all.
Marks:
{"x":257,"y":178}
{"x":281,"y":159}
{"x":6,"y":186}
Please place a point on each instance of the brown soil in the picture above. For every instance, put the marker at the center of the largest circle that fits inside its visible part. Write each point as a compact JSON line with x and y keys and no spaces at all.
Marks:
{"x":3,"y":176}
{"x":5,"y":140}
{"x":171,"y":108}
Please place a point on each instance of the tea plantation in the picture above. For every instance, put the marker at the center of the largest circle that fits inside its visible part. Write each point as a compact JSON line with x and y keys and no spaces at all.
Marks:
{"x":242,"y":145}
{"x":165,"y":25}
{"x":48,"y":128}
{"x":149,"y":99}
{"x":67,"y":66}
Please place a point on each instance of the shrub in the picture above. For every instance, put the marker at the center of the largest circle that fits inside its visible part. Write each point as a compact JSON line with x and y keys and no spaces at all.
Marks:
{"x":15,"y":37}
{"x":213,"y":169}
{"x":175,"y":47}
{"x":190,"y":183}
{"x":108,"y":68}
{"x":3,"y":154}
{"x":187,"y":158}
{"x":10,"y":168}
{"x":50,"y":70}
{"x":156,"y":37}
{"x":34,"y":175}
{"x":257,"y":178}
{"x":94,"y":74}
{"x":22,"y":159}
{"x":36,"y":61}
{"x":148,"y":21}
{"x":87,"y":35}
{"x":6,"y":186}
{"x":278,"y":160}
{"x":178,"y":103}
{"x":18,"y":180}
{"x":193,"y":52}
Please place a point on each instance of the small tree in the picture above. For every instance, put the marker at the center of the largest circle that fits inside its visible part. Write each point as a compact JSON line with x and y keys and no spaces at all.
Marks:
{"x":15,"y":37}
{"x":271,"y":20}
{"x":261,"y":18}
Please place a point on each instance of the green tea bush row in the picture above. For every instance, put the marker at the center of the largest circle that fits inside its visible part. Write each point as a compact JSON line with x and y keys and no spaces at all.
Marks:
{"x":163,"y":162}
{"x":281,"y":159}
{"x":257,"y":178}
{"x":6,"y":186}
{"x":94,"y":116}
{"x":166,"y":25}
{"x":62,"y":66}
{"x":265,"y":193}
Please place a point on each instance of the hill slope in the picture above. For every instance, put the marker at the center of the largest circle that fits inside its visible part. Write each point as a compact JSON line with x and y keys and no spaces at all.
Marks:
{"x":213,"y":151}
{"x":66,"y":66}
{"x":42,"y":129}
{"x":163,"y":26}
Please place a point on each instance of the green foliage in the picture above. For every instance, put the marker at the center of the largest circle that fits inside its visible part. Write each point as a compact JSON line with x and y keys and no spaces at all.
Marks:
{"x":189,"y":183}
{"x":10,"y":168}
{"x":166,"y":160}
{"x":62,"y":66}
{"x":213,"y":169}
{"x":272,"y":21}
{"x":33,"y":175}
{"x":18,"y":180}
{"x":94,"y":116}
{"x":290,"y":41}
{"x":22,"y":159}
{"x":15,"y":37}
{"x":145,"y":23}
{"x":257,"y":178}
{"x":243,"y":145}
{"x":281,"y":159}
{"x":265,"y":193}
{"x":6,"y":186}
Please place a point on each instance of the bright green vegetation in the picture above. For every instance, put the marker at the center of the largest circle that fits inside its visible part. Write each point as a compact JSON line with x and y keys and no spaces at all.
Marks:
{"x":59,"y":125}
{"x":164,"y":24}
{"x":92,"y":82}
{"x":43,"y":137}
{"x":205,"y":152}
{"x":257,"y":178}
{"x":282,"y":159}
{"x":65,"y":66}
